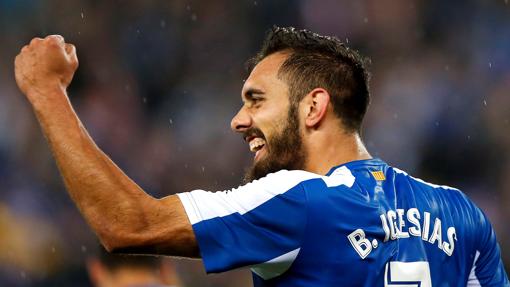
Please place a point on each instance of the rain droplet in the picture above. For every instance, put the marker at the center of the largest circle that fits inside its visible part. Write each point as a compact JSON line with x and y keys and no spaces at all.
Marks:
{"x":506,"y":2}
{"x":171,"y":121}
{"x":53,"y":250}
{"x":347,"y":40}
{"x":447,"y":68}
{"x":82,"y":16}
{"x":193,"y":17}
{"x":23,"y":274}
{"x":203,"y":169}
{"x":144,"y":100}
{"x":490,"y":65}
{"x":468,"y":137}
{"x":185,"y":165}
{"x":127,"y":88}
{"x":255,"y":3}
{"x":188,"y":7}
{"x":484,"y":102}
{"x":365,"y":20}
{"x":437,"y":123}
{"x":395,"y":116}
{"x":83,"y":248}
{"x":162,"y":23}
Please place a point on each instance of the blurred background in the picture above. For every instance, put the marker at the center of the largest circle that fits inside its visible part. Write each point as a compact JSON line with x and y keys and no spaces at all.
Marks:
{"x":160,"y":80}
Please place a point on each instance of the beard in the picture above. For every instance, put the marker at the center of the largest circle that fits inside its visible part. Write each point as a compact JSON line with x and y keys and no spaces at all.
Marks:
{"x":284,"y":150}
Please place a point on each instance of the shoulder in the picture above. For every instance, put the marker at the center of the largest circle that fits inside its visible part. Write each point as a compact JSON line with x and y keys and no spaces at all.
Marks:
{"x":286,"y":179}
{"x":283,"y":180}
{"x":431,"y":187}
{"x":202,"y":205}
{"x":445,"y":196}
{"x":290,"y":184}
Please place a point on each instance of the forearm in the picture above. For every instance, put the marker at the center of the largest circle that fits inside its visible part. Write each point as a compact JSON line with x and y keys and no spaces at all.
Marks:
{"x":100,"y":190}
{"x":121,"y":213}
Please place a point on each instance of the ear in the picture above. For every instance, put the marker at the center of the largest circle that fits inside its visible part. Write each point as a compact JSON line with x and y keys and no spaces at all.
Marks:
{"x":315,"y":105}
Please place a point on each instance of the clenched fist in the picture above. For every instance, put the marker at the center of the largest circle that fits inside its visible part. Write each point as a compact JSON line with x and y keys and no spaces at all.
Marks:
{"x":45,"y":65}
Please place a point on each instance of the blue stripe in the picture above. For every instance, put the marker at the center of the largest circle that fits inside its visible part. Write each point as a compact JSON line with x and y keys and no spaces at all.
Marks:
{"x":268,"y":231}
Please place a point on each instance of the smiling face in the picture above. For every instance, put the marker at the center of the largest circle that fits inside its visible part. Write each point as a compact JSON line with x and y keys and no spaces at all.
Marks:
{"x":268,"y":121}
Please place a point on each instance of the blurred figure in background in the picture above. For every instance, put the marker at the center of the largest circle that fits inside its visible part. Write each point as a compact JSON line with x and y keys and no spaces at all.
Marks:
{"x":112,"y":270}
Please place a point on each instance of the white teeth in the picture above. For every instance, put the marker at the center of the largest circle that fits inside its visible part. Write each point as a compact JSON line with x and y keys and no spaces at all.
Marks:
{"x":256,"y":144}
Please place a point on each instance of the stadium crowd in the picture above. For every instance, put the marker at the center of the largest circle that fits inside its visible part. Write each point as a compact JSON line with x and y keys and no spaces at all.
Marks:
{"x":160,"y":80}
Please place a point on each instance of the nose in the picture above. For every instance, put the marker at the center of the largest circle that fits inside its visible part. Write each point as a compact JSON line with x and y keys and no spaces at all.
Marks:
{"x":241,"y":121}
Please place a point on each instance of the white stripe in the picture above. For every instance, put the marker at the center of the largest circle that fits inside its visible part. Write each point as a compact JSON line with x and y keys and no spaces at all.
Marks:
{"x":340,"y":176}
{"x":203,"y":205}
{"x":473,"y":280}
{"x":190,"y":207}
{"x":275,"y":267}
{"x":422,"y":181}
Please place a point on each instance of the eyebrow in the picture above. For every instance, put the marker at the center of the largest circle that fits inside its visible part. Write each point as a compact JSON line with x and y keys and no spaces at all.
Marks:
{"x":248,"y":94}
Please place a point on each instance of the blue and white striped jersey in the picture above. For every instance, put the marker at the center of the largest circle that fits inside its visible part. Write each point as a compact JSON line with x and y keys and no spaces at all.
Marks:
{"x":363,"y":224}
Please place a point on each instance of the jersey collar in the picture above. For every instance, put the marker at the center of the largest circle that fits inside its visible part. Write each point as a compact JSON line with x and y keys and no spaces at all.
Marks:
{"x":353,"y":164}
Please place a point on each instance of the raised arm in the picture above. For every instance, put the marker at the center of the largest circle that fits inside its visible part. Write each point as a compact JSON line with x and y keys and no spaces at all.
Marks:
{"x":125,"y":218}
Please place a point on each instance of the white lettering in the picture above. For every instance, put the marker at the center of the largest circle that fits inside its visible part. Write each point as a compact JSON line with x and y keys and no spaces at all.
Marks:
{"x":436,"y":234}
{"x":385,"y":227}
{"x":412,"y":216}
{"x":393,"y":224}
{"x":426,"y":226}
{"x":401,"y":224}
{"x":450,"y":245}
{"x":392,"y":216}
{"x":360,"y":243}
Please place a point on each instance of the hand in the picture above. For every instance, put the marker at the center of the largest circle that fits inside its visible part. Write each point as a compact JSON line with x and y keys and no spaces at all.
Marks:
{"x":45,"y":65}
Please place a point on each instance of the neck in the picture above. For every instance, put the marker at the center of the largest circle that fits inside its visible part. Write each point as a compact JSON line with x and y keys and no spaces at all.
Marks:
{"x":326,"y":150}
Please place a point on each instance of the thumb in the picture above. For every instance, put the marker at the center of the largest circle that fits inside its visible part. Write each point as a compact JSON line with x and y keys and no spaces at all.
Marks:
{"x":70,"y":49}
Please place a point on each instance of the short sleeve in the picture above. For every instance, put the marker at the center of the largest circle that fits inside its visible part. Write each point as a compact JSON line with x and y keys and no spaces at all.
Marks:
{"x":488,"y":269}
{"x":260,"y":222}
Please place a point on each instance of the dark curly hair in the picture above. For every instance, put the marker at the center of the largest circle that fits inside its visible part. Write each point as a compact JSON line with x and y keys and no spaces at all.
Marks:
{"x":321,"y":61}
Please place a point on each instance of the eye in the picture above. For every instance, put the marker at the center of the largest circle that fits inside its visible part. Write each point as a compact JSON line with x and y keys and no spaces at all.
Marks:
{"x":256,"y":101}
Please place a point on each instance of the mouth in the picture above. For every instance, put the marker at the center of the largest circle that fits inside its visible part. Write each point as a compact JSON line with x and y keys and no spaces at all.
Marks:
{"x":257,"y":145}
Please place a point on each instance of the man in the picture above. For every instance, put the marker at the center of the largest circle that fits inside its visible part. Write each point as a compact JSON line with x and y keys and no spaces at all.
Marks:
{"x":114,"y":270}
{"x":317,"y":211}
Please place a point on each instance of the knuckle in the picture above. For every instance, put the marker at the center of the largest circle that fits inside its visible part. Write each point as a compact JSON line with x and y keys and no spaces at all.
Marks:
{"x":35,"y":41}
{"x":52,"y":43}
{"x":56,"y":38}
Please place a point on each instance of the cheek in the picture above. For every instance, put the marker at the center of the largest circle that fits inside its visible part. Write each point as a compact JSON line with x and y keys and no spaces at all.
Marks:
{"x":270,"y":125}
{"x":271,"y":116}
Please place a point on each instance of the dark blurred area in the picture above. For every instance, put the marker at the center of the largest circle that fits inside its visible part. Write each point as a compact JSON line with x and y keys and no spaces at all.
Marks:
{"x":160,"y":80}
{"x":120,"y":270}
